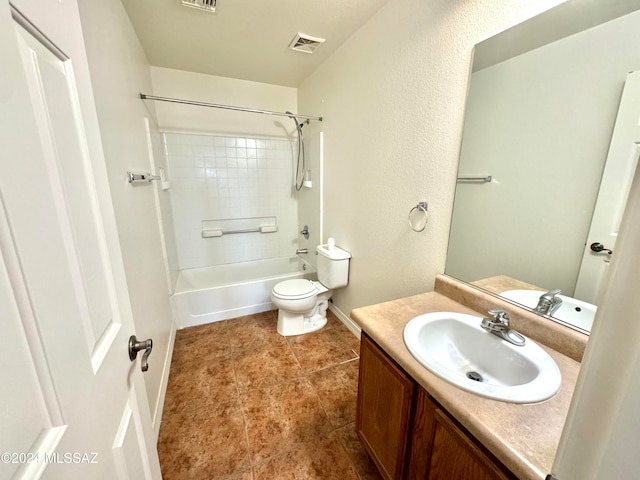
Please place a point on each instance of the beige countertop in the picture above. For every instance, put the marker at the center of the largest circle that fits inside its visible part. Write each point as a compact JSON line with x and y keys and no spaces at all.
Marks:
{"x":502,"y":283}
{"x":523,"y":436}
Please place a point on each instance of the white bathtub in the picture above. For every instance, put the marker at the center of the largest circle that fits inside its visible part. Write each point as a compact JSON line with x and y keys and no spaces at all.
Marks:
{"x":211,"y":294}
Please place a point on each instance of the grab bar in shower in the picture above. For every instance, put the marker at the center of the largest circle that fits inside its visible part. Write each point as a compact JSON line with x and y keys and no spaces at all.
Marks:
{"x":214,"y":232}
{"x":226,"y":226}
{"x":475,"y":178}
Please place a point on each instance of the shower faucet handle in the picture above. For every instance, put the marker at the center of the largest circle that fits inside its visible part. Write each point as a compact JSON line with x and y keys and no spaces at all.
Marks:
{"x":305,"y":232}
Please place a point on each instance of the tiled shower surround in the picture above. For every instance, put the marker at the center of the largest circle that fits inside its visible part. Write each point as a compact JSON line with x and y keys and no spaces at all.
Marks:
{"x":221,"y":177}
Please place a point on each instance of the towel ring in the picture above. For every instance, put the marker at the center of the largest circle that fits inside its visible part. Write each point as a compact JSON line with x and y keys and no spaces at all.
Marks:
{"x":421,"y":206}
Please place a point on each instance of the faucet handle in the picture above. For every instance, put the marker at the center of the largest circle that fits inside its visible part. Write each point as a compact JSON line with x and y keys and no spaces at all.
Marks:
{"x":552,"y":293}
{"x":500,"y":315}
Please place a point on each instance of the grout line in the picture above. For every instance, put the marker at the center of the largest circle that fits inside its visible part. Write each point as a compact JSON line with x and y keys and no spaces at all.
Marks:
{"x":351,"y":360}
{"x":244,"y":418}
{"x":321,"y":404}
{"x":346,"y":451}
{"x":294,"y":355}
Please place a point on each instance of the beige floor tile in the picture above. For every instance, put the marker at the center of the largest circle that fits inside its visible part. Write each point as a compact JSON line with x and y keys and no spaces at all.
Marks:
{"x":322,"y":349}
{"x":265,"y":366}
{"x":337,"y":390}
{"x":200,"y":384}
{"x":254,"y":331}
{"x":244,"y":403}
{"x":204,"y":443}
{"x":201,"y":343}
{"x":281,"y":416}
{"x":320,"y":460}
{"x":361,"y":461}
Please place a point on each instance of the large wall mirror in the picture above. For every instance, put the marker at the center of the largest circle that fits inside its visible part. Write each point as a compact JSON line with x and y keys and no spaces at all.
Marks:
{"x":550,"y":144}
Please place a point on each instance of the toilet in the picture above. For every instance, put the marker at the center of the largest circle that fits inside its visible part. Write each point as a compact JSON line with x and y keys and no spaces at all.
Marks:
{"x":302,"y":304}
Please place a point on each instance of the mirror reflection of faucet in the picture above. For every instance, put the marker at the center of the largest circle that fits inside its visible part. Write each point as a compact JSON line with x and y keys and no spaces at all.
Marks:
{"x":549,"y":302}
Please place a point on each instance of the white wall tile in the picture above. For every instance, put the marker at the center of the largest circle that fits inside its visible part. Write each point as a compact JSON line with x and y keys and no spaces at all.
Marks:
{"x":218,"y":177}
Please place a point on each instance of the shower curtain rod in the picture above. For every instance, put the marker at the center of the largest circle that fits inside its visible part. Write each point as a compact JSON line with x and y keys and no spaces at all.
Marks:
{"x":144,"y":96}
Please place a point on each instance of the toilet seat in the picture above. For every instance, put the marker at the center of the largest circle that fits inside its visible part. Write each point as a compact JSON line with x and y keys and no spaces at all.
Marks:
{"x":295,"y":289}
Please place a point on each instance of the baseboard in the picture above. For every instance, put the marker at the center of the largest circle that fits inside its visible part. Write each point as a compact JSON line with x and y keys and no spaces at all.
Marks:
{"x":157,"y":415}
{"x":350,"y":324}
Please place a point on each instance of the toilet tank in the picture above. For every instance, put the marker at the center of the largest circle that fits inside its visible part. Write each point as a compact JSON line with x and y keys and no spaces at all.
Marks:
{"x":333,"y":266}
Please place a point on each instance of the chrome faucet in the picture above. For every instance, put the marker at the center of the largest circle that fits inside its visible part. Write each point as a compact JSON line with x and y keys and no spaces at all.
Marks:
{"x":549,"y":302}
{"x":499,"y":325}
{"x":302,"y":251}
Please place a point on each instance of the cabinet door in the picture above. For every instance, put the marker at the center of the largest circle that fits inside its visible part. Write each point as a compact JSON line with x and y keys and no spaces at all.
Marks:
{"x":422,"y":436}
{"x":385,"y":394}
{"x":440,"y":450}
{"x":456,"y":457}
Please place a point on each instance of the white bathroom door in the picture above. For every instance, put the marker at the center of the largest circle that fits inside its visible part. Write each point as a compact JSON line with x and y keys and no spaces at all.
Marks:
{"x":72,"y":404}
{"x":620,"y":167}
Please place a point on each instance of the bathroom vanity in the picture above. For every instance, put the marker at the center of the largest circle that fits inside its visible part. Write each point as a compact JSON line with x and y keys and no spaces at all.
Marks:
{"x":416,"y":425}
{"x":420,"y":439}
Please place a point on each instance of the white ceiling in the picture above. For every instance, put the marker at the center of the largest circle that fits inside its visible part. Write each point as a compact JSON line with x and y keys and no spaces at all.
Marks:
{"x":246,"y":39}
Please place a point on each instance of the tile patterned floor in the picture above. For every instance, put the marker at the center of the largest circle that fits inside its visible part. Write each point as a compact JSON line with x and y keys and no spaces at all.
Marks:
{"x":244,"y":403}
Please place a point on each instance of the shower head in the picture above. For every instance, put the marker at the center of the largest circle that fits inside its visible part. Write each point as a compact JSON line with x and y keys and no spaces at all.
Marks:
{"x":295,"y":119}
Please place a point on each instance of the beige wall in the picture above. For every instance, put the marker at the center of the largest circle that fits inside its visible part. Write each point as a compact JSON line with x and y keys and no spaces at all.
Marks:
{"x":393,"y":99}
{"x":119,"y":71}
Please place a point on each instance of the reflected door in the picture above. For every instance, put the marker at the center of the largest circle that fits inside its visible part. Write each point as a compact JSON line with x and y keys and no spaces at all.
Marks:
{"x":619,"y":170}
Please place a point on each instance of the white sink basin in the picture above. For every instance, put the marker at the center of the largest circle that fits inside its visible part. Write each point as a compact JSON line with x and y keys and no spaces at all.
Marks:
{"x":574,"y":312}
{"x":456,"y":348}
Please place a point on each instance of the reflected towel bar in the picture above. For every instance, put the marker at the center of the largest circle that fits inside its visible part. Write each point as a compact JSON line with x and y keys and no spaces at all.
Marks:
{"x":479,"y":179}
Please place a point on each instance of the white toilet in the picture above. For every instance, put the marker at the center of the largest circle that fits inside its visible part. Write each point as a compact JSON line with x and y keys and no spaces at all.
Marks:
{"x":302,"y":304}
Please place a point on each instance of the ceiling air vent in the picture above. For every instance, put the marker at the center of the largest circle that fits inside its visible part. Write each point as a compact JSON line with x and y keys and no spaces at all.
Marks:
{"x":305,"y":43}
{"x":206,"y":5}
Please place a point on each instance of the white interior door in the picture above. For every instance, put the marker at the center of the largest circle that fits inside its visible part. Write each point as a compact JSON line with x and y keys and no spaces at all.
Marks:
{"x":73,"y":404}
{"x":620,"y":166}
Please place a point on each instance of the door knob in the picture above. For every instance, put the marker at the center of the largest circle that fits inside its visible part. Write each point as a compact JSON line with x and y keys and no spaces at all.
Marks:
{"x":135,"y":346}
{"x":599,"y":248}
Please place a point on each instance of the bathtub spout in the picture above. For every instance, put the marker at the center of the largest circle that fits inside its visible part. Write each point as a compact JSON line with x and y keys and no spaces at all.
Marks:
{"x":302,"y":251}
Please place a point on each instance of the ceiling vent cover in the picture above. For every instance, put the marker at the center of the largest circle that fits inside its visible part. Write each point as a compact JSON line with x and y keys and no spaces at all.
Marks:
{"x":305,"y":43}
{"x":206,"y":5}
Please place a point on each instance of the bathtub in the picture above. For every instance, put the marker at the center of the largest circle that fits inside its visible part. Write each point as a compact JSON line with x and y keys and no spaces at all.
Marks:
{"x":211,"y":294}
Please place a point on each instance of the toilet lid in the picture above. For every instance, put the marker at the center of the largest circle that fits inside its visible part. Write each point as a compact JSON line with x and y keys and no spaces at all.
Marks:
{"x":297,"y":288}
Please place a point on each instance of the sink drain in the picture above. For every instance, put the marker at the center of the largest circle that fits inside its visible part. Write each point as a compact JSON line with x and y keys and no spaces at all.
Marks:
{"x":475,"y":376}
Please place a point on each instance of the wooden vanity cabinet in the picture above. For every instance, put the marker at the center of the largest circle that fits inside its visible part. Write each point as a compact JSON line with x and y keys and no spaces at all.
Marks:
{"x":385,"y":397}
{"x":443,"y":450}
{"x":407,"y":434}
